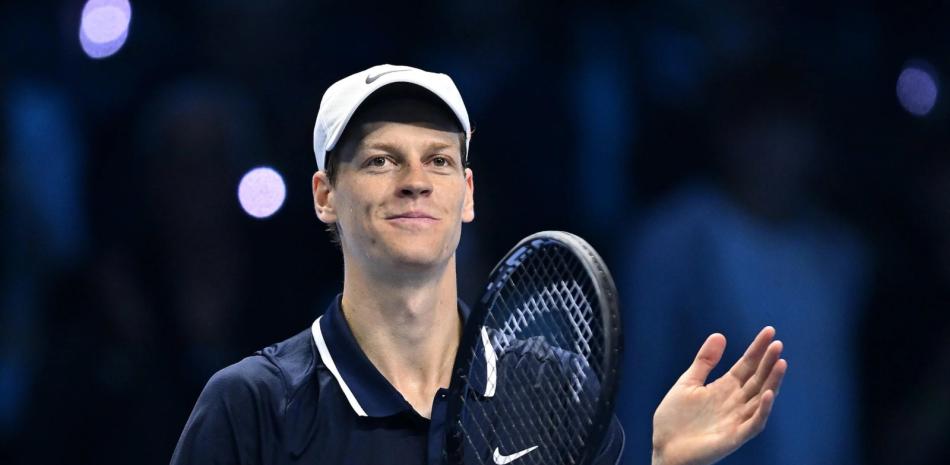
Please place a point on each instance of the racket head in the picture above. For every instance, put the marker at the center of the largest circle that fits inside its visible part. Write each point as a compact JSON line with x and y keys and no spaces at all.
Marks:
{"x":536,"y":370}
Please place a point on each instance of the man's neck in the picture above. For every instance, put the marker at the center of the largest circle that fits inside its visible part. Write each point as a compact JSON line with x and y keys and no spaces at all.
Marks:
{"x":409,"y":329}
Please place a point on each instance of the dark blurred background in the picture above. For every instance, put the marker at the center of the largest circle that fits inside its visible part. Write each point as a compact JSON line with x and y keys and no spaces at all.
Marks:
{"x":738,"y":164}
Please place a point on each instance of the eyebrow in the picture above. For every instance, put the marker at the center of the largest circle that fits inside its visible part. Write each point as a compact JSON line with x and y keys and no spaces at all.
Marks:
{"x":434,"y":145}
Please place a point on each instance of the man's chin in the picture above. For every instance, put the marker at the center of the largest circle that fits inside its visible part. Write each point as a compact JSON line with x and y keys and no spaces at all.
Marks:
{"x":420,"y":260}
{"x":417,"y":255}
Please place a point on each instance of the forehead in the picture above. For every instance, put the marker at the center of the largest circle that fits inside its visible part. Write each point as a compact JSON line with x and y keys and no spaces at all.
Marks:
{"x":403,"y":120}
{"x":390,"y":134}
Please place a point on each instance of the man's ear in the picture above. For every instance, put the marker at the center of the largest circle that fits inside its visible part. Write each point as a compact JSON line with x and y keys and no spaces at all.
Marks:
{"x":323,"y":198}
{"x":468,"y":207}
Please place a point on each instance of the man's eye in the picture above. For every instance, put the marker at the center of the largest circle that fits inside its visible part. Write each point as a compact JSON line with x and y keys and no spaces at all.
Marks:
{"x":378,"y":162}
{"x":440,"y":161}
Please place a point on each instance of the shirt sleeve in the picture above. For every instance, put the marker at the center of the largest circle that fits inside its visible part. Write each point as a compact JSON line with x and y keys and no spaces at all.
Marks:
{"x":228,"y":425}
{"x":611,"y":450}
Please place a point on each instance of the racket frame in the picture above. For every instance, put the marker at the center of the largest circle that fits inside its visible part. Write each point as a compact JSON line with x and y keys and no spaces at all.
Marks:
{"x":606,"y":292}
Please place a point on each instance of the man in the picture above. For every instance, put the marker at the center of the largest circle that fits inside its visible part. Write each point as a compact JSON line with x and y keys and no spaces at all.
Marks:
{"x":365,"y":385}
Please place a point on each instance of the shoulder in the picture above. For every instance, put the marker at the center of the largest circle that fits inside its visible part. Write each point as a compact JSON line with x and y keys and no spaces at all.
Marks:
{"x":536,"y":347}
{"x":271,"y":375}
{"x":241,"y":411}
{"x":534,"y":354}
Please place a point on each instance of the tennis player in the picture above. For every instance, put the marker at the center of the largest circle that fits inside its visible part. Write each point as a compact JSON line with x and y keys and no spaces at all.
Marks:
{"x":366,"y":384}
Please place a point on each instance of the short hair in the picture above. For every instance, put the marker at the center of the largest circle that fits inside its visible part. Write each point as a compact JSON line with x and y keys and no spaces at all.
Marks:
{"x":385,"y":95}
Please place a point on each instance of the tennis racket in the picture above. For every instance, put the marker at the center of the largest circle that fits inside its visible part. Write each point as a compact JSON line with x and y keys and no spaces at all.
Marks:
{"x":537,"y":365}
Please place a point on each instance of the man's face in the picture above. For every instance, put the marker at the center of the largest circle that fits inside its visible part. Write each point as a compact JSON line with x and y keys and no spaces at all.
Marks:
{"x":401,"y":191}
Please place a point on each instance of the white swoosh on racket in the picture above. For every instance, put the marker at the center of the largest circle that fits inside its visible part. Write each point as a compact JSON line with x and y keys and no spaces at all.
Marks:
{"x":503,"y":459}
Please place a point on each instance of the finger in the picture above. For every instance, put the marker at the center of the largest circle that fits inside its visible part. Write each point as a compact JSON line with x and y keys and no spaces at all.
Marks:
{"x":706,"y":359}
{"x":774,"y":381}
{"x":772,"y":384}
{"x":746,"y":365}
{"x":755,"y":383}
{"x":754,"y":425}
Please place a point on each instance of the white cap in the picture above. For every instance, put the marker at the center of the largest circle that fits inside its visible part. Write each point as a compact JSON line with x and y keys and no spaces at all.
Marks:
{"x":342,"y":99}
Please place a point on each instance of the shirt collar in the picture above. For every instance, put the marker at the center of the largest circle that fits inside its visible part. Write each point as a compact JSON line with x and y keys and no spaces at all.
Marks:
{"x":366,"y":389}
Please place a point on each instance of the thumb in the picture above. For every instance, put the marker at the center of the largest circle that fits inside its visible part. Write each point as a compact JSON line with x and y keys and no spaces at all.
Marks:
{"x":706,"y":359}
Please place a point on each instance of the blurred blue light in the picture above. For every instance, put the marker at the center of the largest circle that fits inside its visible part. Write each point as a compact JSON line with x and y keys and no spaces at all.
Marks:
{"x":104,"y":27}
{"x":917,"y":89}
{"x":261,"y":192}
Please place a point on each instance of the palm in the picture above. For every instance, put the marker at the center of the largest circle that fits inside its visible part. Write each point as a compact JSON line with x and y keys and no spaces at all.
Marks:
{"x":699,"y":423}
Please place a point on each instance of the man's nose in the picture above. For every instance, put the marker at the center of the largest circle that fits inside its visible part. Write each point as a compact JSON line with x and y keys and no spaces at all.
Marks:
{"x":415,"y":182}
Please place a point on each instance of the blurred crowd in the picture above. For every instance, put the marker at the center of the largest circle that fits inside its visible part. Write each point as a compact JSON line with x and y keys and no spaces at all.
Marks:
{"x":737,"y":163}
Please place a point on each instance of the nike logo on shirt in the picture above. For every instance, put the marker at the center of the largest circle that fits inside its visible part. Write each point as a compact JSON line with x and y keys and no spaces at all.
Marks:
{"x":503,"y":459}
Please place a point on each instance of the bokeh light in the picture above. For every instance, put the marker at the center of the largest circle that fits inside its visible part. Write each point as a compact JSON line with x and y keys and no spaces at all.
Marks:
{"x":262,"y":192}
{"x":104,"y":27}
{"x":917,"y":89}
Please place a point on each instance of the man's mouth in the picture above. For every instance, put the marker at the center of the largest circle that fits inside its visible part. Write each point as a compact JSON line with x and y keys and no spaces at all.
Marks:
{"x":412,"y":215}
{"x":412,"y":218}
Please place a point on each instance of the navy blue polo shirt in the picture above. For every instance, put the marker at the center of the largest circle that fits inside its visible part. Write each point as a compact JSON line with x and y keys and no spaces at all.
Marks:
{"x":316,"y":399}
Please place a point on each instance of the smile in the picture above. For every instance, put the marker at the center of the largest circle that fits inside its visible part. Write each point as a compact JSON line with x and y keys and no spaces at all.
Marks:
{"x":412,"y":219}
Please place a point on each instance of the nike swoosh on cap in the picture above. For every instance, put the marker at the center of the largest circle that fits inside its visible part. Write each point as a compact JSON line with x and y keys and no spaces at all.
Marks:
{"x":503,"y":459}
{"x":370,"y":78}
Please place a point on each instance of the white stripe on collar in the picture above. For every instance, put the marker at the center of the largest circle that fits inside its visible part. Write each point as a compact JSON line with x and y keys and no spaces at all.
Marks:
{"x":491,"y":376}
{"x":328,"y":362}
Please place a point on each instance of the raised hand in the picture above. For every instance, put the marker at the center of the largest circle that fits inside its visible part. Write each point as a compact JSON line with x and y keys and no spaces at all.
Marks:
{"x":699,"y":423}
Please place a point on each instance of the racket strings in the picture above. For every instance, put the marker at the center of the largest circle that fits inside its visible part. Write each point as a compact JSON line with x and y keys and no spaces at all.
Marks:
{"x":543,"y":327}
